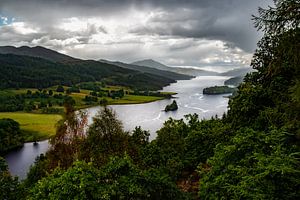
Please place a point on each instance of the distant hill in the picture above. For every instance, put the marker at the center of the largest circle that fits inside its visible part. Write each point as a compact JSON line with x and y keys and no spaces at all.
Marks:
{"x":159,"y":72}
{"x":18,"y":71}
{"x":152,"y":63}
{"x":234,"y":81}
{"x":37,"y":51}
{"x":238,"y":72}
{"x":187,"y":71}
{"x":195,"y":72}
{"x":237,"y":76}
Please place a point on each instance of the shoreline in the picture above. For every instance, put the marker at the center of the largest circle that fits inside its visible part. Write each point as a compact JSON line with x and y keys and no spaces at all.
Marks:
{"x":34,"y":134}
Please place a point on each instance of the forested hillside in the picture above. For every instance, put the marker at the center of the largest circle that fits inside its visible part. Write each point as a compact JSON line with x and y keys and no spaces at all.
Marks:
{"x":252,"y":152}
{"x":24,"y":71}
{"x":159,"y":72}
{"x":38,"y":51}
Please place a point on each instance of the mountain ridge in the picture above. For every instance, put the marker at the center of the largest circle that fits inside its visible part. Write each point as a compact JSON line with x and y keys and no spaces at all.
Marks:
{"x":145,"y":69}
{"x":37,"y":51}
{"x":187,"y":71}
{"x":21,"y":71}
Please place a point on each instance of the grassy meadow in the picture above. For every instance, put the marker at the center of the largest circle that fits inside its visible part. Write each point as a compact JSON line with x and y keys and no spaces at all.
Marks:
{"x":34,"y":126}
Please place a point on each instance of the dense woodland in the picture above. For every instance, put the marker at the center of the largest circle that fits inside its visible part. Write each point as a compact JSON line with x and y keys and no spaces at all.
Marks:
{"x":252,"y":152}
{"x":19,"y":71}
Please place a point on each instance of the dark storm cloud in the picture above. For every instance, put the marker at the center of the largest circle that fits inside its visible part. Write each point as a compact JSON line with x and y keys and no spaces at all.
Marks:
{"x":177,"y":32}
{"x":227,"y":20}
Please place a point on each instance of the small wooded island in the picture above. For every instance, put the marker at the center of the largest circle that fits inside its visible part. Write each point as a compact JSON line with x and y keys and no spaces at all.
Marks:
{"x":171,"y":107}
{"x":218,"y":90}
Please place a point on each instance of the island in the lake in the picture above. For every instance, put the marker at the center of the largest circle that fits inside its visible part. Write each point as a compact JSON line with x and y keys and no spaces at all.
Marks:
{"x":218,"y":90}
{"x":171,"y":107}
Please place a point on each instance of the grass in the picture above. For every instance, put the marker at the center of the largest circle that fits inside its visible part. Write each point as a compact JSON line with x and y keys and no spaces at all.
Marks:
{"x":133,"y":99}
{"x":34,"y":126}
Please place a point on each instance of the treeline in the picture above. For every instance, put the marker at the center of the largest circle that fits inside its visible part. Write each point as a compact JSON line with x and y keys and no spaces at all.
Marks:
{"x":43,"y":100}
{"x":10,"y":135}
{"x":31,"y":72}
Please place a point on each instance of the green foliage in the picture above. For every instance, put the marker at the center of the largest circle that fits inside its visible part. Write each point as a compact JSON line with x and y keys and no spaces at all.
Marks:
{"x":254,"y":165}
{"x":94,"y":86}
{"x":181,"y":146}
{"x":10,"y":102}
{"x":105,"y":137}
{"x":89,"y":99}
{"x":202,"y":139}
{"x":9,"y":186}
{"x":73,"y":89}
{"x":10,"y":135}
{"x":37,"y":171}
{"x":103,"y":102}
{"x":60,"y":89}
{"x":116,"y":94}
{"x":118,"y":179}
{"x":79,"y":182}
{"x":137,"y":142}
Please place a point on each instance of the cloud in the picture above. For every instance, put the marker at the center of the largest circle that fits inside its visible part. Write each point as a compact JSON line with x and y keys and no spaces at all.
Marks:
{"x":176,"y":32}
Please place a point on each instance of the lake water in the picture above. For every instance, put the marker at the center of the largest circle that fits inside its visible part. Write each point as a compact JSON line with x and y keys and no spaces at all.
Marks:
{"x":149,"y":116}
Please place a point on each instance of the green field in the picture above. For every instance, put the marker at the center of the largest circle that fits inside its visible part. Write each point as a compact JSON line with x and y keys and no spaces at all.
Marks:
{"x":34,"y":126}
{"x":133,"y":99}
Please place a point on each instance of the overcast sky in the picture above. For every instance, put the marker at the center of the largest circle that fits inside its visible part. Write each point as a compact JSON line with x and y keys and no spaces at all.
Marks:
{"x":204,"y":33}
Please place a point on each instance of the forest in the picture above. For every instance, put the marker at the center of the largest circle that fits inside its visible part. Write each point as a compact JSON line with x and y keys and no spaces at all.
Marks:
{"x":252,"y":152}
{"x":18,"y":71}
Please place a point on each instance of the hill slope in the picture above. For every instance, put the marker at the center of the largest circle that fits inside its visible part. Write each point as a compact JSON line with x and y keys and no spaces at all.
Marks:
{"x":151,"y":63}
{"x":238,"y":72}
{"x":187,"y":71}
{"x":26,"y":71}
{"x":37,"y":51}
{"x":150,"y":70}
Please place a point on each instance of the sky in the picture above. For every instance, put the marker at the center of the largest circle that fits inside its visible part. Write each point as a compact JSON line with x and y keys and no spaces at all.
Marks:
{"x":201,"y":33}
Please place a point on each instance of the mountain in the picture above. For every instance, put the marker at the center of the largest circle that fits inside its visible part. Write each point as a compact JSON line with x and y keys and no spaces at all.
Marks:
{"x":37,"y":51}
{"x":194,"y":72}
{"x":155,"y":71}
{"x":187,"y":71}
{"x":238,"y":72}
{"x":19,"y":71}
{"x":152,"y":63}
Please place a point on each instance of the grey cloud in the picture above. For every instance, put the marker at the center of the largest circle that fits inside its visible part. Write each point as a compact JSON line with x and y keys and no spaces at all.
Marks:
{"x":187,"y":22}
{"x":207,"y":18}
{"x":10,"y":36}
{"x":229,"y":21}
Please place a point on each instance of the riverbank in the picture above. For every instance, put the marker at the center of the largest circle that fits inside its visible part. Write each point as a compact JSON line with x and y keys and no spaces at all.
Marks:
{"x":38,"y":126}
